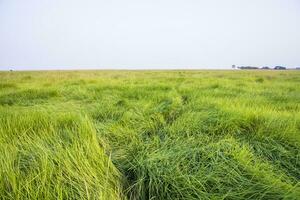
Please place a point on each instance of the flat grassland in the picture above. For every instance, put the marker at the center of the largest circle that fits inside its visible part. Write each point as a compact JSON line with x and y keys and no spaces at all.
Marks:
{"x":150,"y":135}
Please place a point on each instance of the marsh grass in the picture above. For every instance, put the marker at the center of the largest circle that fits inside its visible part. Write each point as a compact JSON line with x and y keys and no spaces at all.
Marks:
{"x":150,"y":135}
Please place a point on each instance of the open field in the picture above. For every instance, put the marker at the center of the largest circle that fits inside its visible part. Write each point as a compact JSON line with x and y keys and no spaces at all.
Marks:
{"x":150,"y":135}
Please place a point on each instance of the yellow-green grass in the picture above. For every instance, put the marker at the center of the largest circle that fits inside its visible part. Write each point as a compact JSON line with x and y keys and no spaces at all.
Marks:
{"x":150,"y":135}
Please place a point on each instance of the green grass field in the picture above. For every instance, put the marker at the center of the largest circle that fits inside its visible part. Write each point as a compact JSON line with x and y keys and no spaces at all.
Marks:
{"x":150,"y":135}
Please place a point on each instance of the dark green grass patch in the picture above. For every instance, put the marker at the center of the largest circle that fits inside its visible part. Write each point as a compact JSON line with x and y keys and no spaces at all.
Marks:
{"x":27,"y":97}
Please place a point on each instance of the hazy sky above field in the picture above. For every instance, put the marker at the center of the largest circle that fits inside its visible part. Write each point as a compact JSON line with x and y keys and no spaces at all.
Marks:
{"x":136,"y":34}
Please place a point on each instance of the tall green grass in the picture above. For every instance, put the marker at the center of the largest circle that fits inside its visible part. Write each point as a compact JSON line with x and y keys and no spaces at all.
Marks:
{"x":150,"y":135}
{"x":53,"y":156}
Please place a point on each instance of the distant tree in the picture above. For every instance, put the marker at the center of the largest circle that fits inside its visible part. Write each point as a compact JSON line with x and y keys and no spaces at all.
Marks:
{"x":248,"y":67}
{"x":279,"y":68}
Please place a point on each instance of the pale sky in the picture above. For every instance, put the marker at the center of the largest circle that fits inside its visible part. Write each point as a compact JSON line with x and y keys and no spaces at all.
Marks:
{"x":152,"y":34}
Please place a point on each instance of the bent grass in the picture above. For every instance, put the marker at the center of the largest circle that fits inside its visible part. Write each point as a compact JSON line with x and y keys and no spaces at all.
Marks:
{"x":150,"y":135}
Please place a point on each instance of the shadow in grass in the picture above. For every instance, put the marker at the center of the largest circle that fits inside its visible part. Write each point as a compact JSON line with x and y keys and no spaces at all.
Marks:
{"x":8,"y":85}
{"x":27,"y":97}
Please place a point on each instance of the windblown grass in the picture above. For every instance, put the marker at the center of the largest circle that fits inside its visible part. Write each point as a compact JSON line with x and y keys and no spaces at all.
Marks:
{"x":53,"y":156}
{"x":150,"y":135}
